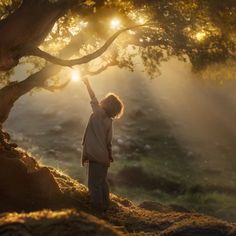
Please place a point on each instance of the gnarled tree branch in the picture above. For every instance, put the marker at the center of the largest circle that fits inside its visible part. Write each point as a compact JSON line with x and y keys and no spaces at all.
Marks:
{"x":11,"y":93}
{"x":85,"y":59}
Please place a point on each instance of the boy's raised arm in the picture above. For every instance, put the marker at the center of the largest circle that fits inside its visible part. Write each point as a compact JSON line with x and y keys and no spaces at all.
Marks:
{"x":89,"y":88}
{"x":94,"y":101}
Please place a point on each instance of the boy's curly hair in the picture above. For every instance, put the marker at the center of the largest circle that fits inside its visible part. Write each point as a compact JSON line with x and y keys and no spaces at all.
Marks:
{"x":113,"y":106}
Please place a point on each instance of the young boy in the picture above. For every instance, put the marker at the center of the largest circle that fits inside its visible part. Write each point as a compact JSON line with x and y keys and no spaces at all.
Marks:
{"x":97,"y":147}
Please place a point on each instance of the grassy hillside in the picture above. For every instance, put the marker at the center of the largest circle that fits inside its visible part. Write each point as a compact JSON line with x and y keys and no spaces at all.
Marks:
{"x":27,"y":186}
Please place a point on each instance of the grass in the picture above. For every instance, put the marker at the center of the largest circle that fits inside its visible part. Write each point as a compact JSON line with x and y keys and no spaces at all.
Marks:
{"x":170,"y":166}
{"x":220,"y":205}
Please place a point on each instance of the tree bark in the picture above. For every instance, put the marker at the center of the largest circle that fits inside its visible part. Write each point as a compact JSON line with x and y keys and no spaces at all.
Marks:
{"x":27,"y":27}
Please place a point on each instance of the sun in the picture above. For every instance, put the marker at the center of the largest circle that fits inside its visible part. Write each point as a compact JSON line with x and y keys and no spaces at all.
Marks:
{"x":115,"y":23}
{"x":75,"y":75}
{"x":200,"y":35}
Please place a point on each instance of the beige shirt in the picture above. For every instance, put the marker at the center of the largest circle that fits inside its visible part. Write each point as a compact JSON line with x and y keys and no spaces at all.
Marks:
{"x":98,"y":136}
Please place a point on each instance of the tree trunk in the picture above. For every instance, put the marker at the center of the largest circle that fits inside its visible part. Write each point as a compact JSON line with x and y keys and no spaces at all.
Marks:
{"x":27,"y":27}
{"x":12,"y":92}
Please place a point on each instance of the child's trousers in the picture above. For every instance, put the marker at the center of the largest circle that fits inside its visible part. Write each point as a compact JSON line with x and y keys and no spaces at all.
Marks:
{"x":98,"y":186}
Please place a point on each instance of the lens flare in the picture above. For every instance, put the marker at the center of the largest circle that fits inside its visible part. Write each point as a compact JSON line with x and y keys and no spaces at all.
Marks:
{"x":200,"y":35}
{"x":115,"y":24}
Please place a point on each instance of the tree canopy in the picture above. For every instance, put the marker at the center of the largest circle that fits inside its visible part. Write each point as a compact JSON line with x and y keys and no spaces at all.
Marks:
{"x":34,"y":33}
{"x":200,"y":29}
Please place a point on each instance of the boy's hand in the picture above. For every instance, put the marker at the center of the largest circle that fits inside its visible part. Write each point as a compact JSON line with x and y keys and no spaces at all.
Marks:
{"x":111,"y":159}
{"x":90,"y":90}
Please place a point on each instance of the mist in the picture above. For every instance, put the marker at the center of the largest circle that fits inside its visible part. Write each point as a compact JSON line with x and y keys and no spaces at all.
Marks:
{"x":199,"y":115}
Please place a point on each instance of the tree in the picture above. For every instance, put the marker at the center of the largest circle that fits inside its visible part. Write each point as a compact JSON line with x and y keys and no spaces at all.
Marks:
{"x":201,"y":31}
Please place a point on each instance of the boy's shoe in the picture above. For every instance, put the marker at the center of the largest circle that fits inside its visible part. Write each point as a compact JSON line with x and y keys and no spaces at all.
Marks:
{"x":104,"y":215}
{"x":100,"y":213}
{"x":95,"y":210}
